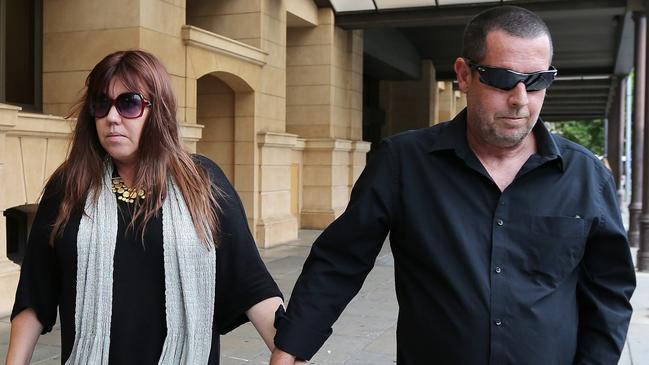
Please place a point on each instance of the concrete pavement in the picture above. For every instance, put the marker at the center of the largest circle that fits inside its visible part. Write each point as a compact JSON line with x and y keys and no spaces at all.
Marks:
{"x":364,"y":334}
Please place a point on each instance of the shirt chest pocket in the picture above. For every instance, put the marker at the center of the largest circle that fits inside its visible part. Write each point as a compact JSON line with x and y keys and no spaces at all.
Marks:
{"x":553,"y":247}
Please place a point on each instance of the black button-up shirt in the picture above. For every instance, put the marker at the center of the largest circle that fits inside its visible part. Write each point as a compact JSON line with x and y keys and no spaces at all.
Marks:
{"x":538,"y":274}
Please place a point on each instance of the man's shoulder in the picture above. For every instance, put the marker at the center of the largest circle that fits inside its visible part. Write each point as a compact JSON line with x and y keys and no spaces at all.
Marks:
{"x":575,"y":154}
{"x":417,"y":138}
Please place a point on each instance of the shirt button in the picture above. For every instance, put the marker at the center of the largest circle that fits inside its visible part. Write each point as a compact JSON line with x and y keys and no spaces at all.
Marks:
{"x":498,"y":322}
{"x":500,"y":222}
{"x":498,"y":270}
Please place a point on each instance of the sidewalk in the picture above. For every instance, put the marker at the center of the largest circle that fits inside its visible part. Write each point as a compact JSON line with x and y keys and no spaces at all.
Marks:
{"x":364,"y":334}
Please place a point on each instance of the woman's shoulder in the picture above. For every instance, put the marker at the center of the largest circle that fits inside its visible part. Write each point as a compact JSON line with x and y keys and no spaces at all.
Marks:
{"x":216,"y":175}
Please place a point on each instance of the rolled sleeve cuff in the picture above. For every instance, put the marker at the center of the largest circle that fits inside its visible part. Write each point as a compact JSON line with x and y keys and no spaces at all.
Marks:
{"x":296,"y":338}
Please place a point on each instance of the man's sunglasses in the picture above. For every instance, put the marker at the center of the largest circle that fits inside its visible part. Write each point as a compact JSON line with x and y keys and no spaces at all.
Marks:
{"x":505,"y":79}
{"x":129,"y":105}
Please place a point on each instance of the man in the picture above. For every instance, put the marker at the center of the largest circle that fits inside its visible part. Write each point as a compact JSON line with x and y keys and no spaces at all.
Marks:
{"x":507,"y":241}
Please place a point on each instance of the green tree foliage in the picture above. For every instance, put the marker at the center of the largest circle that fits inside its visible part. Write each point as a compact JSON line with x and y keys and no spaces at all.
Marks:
{"x":588,"y":133}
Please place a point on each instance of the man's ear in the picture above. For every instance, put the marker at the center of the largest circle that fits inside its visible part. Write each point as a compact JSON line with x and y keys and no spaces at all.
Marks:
{"x":463,"y":73}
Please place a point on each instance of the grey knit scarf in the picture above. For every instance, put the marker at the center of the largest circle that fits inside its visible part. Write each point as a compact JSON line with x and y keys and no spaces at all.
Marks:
{"x":190,"y":270}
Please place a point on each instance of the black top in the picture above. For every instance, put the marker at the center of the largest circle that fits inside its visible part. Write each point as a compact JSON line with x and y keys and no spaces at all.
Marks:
{"x":138,"y":325}
{"x":538,"y":274}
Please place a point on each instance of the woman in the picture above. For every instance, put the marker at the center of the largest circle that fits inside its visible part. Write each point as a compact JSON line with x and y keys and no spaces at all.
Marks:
{"x":144,"y":248}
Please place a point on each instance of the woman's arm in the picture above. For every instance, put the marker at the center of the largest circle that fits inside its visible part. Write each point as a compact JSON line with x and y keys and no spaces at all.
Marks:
{"x":262,"y":316}
{"x":25,"y":330}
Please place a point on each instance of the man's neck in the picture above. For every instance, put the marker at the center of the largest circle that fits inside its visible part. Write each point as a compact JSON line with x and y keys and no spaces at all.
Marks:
{"x":503,"y":163}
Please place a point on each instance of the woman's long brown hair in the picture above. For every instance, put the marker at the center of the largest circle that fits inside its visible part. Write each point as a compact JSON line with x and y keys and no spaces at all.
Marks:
{"x":160,"y":151}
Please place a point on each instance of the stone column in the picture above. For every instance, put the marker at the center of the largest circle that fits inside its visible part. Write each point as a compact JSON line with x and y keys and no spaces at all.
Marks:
{"x":615,"y":123}
{"x":9,"y":272}
{"x":643,"y":251}
{"x":324,"y":92}
{"x":635,"y":205}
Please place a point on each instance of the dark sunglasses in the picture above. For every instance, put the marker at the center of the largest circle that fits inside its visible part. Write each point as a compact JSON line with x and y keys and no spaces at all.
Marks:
{"x":129,"y":105}
{"x":505,"y":79}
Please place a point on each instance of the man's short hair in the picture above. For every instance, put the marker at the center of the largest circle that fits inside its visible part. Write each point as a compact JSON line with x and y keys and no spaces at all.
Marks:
{"x":513,"y":20}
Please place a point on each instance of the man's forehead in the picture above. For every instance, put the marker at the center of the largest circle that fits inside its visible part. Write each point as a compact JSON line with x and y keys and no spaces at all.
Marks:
{"x":505,"y":50}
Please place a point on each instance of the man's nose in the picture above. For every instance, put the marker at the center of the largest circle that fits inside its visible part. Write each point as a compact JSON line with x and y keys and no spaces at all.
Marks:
{"x":518,"y":95}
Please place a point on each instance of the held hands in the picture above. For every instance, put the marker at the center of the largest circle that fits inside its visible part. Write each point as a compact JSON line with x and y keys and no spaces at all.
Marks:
{"x":280,"y":357}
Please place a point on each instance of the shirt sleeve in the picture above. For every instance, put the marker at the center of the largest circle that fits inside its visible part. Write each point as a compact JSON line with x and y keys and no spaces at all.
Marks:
{"x":38,"y":287}
{"x":340,"y":259}
{"x":242,"y":279}
{"x":606,"y":282}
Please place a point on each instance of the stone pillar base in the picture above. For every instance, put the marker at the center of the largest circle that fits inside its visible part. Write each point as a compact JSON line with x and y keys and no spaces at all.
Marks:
{"x":271,"y":232}
{"x":319,"y":219}
{"x":643,"y":252}
{"x":635,"y":209}
{"x":9,"y":274}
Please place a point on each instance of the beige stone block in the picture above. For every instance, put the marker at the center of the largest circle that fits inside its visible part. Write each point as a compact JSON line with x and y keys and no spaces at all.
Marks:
{"x":161,"y":16}
{"x":275,"y":178}
{"x":275,"y":156}
{"x":274,"y":203}
{"x":61,"y":50}
{"x":271,"y":125}
{"x":341,"y":117}
{"x":218,"y":129}
{"x":357,"y":82}
{"x":211,"y":84}
{"x":244,"y":177}
{"x":340,"y":197}
{"x":317,"y":219}
{"x":179,"y":3}
{"x":311,"y":131}
{"x":308,"y":75}
{"x":323,"y":34}
{"x":244,"y":153}
{"x":273,"y":81}
{"x":310,"y":95}
{"x":190,"y":92}
{"x":220,"y":152}
{"x":305,"y":10}
{"x":178,"y":87}
{"x":8,"y":279}
{"x":341,"y":132}
{"x":275,"y":231}
{"x":308,"y":115}
{"x":241,"y":26}
{"x":58,"y":109}
{"x":274,"y":29}
{"x":247,"y":200}
{"x":309,"y":55}
{"x":342,"y":78}
{"x":169,"y":49}
{"x":63,"y":87}
{"x":244,"y":105}
{"x":340,"y":158}
{"x":271,"y":107}
{"x":57,"y":151}
{"x":215,"y":106}
{"x":276,"y":53}
{"x":33,"y":153}
{"x":317,"y":175}
{"x":356,"y":133}
{"x":326,"y":16}
{"x":244,"y":129}
{"x":74,"y":15}
{"x":190,"y":146}
{"x":190,"y":115}
{"x":316,"y":198}
{"x":15,"y":193}
{"x":317,"y":157}
{"x":341,"y":97}
{"x":210,"y":7}
{"x":356,"y":100}
{"x":340,"y":175}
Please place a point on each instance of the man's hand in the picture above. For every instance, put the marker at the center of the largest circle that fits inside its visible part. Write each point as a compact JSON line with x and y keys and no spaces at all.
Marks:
{"x":280,"y":357}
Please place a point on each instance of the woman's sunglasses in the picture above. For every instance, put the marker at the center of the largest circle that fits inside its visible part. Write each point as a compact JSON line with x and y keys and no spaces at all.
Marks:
{"x":129,"y":105}
{"x":505,"y":79}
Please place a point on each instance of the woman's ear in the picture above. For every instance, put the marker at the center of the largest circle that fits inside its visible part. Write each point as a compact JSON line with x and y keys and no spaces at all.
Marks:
{"x":463,"y":73}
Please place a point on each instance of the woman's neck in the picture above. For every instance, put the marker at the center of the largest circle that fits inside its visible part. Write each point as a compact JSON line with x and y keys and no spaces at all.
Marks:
{"x":127,"y":172}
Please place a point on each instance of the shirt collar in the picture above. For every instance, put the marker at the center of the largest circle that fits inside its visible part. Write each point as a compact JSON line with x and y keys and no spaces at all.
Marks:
{"x":452,"y":136}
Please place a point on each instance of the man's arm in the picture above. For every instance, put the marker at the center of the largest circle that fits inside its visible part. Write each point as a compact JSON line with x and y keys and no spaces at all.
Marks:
{"x":606,"y":282}
{"x":340,"y":259}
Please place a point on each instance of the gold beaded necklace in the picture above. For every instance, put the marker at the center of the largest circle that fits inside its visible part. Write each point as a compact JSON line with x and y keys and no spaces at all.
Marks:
{"x":124,"y":193}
